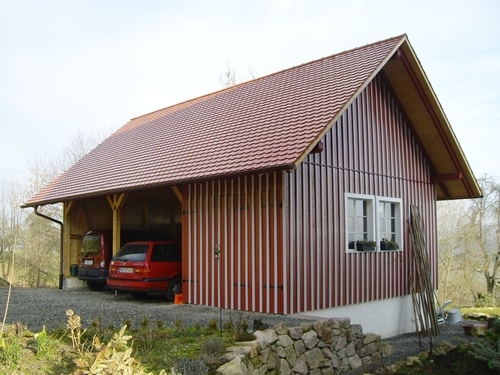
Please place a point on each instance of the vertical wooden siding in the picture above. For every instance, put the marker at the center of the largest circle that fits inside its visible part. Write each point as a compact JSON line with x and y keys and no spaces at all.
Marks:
{"x":370,"y":150}
{"x":244,"y":217}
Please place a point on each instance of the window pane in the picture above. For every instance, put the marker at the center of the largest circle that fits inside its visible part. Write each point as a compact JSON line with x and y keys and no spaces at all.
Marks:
{"x":350,"y":206}
{"x":350,"y":224}
{"x":360,"y":227}
{"x":359,"y":208}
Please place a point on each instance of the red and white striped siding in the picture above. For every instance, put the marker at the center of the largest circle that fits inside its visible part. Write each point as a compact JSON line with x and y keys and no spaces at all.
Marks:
{"x":370,"y":150}
{"x":282,"y":236}
{"x":243,"y":216}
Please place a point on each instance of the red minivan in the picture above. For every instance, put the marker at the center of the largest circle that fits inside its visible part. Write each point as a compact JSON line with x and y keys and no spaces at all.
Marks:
{"x":147,"y":267}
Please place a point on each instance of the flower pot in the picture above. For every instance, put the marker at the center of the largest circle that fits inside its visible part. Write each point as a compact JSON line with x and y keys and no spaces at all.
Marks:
{"x":364,"y":247}
{"x":388,"y":246}
{"x":73,"y":270}
{"x":469,"y":327}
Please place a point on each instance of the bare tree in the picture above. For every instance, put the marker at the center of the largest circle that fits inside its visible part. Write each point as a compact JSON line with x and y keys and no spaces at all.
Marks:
{"x":458,"y":276}
{"x":229,"y":77}
{"x":485,"y":217}
{"x":79,"y":145}
{"x":469,"y":246}
{"x":10,"y":224}
{"x":38,"y":259}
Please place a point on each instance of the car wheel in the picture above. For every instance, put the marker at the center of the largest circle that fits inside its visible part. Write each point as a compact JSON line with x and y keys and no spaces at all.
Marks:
{"x":95,"y":285}
{"x":175,"y":286}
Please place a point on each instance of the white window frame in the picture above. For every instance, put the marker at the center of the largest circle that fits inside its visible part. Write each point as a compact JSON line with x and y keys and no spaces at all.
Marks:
{"x":398,"y":221}
{"x":370,"y":218}
{"x":374,"y":227}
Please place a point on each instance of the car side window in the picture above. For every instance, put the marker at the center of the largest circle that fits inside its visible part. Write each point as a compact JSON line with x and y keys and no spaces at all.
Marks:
{"x":166,"y":253}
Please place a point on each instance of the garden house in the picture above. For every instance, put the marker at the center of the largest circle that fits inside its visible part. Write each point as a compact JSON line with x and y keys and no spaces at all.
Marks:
{"x":287,"y":175}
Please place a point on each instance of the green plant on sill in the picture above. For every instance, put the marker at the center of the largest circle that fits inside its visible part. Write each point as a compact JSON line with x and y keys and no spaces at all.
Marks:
{"x":387,"y":244}
{"x":365,"y":245}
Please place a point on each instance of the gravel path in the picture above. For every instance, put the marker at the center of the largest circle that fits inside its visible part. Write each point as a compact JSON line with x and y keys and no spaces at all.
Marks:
{"x":38,"y":307}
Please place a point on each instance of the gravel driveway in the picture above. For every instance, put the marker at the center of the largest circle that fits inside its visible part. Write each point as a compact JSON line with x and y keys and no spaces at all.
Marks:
{"x":38,"y":307}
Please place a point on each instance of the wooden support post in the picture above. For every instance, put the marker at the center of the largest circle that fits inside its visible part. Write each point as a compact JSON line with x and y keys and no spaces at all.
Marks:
{"x":66,"y":257}
{"x":116,"y":202}
{"x":177,"y":192}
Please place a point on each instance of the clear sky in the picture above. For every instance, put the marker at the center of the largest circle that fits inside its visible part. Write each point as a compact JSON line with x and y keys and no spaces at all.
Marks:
{"x":69,"y":66}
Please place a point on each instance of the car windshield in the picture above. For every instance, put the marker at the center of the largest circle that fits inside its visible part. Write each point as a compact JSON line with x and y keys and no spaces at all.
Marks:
{"x":132,"y":252}
{"x":90,"y":244}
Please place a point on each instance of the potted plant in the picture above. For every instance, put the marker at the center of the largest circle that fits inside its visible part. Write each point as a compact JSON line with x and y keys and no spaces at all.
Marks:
{"x":365,"y":245}
{"x":387,"y":244}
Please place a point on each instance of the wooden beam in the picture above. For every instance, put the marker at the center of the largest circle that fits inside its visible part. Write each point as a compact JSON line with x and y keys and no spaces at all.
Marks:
{"x":318,"y":148}
{"x":447,"y":177}
{"x":67,"y":208}
{"x":177,"y":192}
{"x":116,"y":202}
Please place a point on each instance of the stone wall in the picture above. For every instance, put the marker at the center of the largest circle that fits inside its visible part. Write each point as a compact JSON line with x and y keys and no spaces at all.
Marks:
{"x":325,"y":347}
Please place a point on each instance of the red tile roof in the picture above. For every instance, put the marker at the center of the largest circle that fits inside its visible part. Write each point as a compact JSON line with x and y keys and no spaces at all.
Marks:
{"x":264,"y":124}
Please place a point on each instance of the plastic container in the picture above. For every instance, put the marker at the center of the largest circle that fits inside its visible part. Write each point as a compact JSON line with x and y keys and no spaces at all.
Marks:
{"x":454,"y":315}
{"x":73,"y":270}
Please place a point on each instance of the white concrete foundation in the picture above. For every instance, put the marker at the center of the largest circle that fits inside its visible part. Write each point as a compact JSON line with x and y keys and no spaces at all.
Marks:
{"x":73,"y":282}
{"x":387,"y":318}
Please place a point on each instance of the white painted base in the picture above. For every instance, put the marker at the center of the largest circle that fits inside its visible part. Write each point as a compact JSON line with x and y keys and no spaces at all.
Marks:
{"x":73,"y":282}
{"x":387,"y":318}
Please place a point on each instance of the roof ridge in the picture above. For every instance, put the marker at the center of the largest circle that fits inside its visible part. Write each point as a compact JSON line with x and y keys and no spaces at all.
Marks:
{"x":229,"y":88}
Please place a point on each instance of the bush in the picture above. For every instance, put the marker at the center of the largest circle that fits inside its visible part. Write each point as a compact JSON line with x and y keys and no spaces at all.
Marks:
{"x":186,"y":366}
{"x":485,"y":300}
{"x":214,"y":345}
{"x":213,"y":351}
{"x":487,"y":351}
{"x":10,"y":350}
{"x":213,"y":325}
{"x":44,"y":343}
{"x":240,"y":331}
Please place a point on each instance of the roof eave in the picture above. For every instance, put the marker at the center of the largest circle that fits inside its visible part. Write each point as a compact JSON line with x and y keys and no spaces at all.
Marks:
{"x":451,"y":171}
{"x":284,"y":167}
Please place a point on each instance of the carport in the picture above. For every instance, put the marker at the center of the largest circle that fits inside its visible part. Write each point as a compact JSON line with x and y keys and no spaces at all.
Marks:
{"x":156,"y":210}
